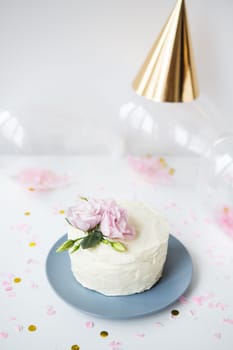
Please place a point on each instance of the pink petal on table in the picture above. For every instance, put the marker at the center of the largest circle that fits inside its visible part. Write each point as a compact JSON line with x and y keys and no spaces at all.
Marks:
{"x":19,"y":327}
{"x":228,"y":320}
{"x":3,"y":335}
{"x":114,"y":343}
{"x":50,"y":310}
{"x":141,"y":335}
{"x":218,"y":335}
{"x":89,"y":324}
{"x":183,"y":300}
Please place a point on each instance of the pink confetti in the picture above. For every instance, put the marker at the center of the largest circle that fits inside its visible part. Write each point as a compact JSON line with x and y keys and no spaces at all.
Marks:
{"x":202,"y":298}
{"x":115,"y":345}
{"x":42,"y":179}
{"x":13,"y":318}
{"x":218,"y":305}
{"x":228,"y":320}
{"x":19,"y":328}
{"x":218,"y":335}
{"x":224,"y":218}
{"x":141,"y":335}
{"x":50,"y":310}
{"x":183,"y":300}
{"x":34,"y":285}
{"x":8,"y":288}
{"x":3,"y":335}
{"x":89,"y":324}
{"x":152,"y":169}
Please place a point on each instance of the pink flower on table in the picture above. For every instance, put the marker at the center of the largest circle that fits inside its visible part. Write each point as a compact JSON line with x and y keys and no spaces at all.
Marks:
{"x":114,"y":222}
{"x":42,"y":179}
{"x":86,"y":214}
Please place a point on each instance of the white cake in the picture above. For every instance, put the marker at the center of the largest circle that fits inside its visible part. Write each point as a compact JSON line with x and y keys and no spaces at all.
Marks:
{"x":137,"y":269}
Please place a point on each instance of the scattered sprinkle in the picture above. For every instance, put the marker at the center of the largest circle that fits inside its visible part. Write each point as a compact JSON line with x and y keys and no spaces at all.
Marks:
{"x":62,"y":211}
{"x":17,"y":279}
{"x":3,"y":335}
{"x":104,"y":334}
{"x":218,"y":335}
{"x":140,"y":335}
{"x":50,"y":310}
{"x":75,"y":347}
{"x":32,"y":244}
{"x":27,"y":213}
{"x":31,"y":189}
{"x":175,"y":313}
{"x":228,"y":320}
{"x":32,"y":328}
{"x":89,"y":324}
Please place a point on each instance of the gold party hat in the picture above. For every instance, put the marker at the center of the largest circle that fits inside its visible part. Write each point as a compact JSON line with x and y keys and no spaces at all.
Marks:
{"x":168,"y":73}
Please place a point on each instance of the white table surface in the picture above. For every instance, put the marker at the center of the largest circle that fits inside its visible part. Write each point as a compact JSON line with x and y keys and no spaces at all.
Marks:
{"x":206,"y":311}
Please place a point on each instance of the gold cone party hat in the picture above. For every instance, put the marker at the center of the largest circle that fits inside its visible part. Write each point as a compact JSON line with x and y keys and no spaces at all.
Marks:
{"x":168,"y":73}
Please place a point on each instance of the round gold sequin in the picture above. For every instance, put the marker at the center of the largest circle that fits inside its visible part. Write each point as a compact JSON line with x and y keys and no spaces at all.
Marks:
{"x":75,"y":347}
{"x":172,"y":171}
{"x":17,"y":279}
{"x":27,"y":213}
{"x":32,"y":244}
{"x":175,"y":312}
{"x":61,"y":211}
{"x":31,"y":189}
{"x":104,"y":334}
{"x":32,"y":328}
{"x":226,"y":210}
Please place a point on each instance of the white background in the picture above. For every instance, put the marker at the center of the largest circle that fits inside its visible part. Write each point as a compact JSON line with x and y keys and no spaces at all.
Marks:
{"x":66,"y":67}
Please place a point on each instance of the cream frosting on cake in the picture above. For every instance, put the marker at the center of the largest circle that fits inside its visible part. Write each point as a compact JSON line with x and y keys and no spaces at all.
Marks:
{"x":137,"y":269}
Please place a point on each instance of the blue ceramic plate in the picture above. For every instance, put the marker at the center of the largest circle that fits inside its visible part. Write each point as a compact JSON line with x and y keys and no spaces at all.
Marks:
{"x":175,"y":280}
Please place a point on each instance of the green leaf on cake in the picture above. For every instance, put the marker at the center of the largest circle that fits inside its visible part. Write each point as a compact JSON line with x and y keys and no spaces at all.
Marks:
{"x":76,"y":247}
{"x":92,"y":240}
{"x":118,"y":246}
{"x":65,"y":246}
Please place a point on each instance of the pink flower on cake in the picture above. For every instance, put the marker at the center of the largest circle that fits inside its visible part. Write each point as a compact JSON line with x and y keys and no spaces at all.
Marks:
{"x":114,"y":222}
{"x":86,"y":214}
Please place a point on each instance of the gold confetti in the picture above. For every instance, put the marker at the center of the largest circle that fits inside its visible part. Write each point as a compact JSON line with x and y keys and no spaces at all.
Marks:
{"x":175,"y":312}
{"x":27,"y":213}
{"x":103,"y":334}
{"x":32,"y":328}
{"x":171,"y":171}
{"x":31,"y":189}
{"x":226,"y":210}
{"x":61,"y":211}
{"x":75,"y":347}
{"x":17,"y":279}
{"x":162,"y":160}
{"x":32,"y":244}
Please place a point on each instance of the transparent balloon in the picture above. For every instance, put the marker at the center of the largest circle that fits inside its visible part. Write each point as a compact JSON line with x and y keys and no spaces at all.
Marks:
{"x":215,"y":183}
